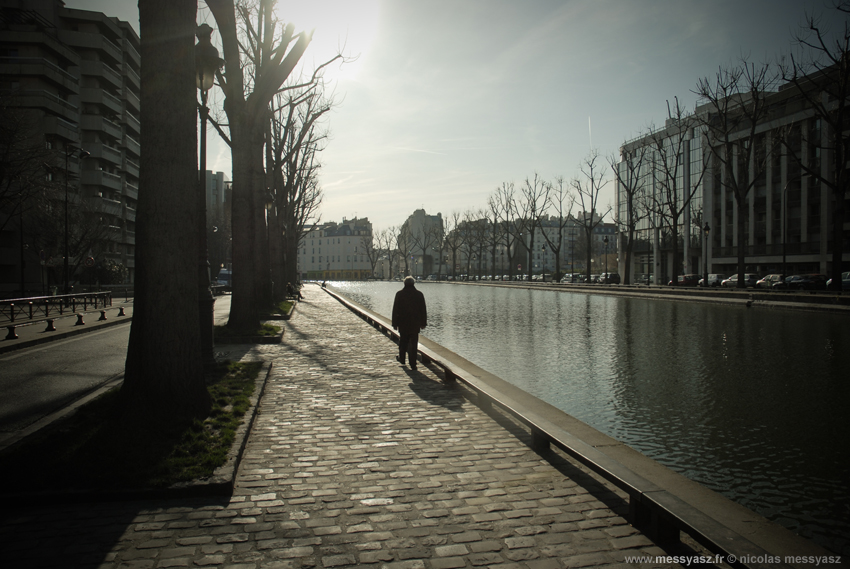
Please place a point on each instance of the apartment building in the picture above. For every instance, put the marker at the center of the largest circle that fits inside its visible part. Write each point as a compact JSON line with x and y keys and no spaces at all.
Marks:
{"x":75,"y":75}
{"x":336,"y":251}
{"x":787,"y":213}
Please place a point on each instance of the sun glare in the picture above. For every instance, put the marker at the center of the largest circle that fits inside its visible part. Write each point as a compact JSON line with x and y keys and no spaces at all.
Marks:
{"x":345,"y":26}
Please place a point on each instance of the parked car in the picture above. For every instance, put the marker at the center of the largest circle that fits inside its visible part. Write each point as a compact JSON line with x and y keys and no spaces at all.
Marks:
{"x":768,"y":281}
{"x":714,"y":280}
{"x":686,"y":280}
{"x":225,"y":279}
{"x":805,"y":282}
{"x":610,"y":278}
{"x":845,"y":281}
{"x":750,"y":280}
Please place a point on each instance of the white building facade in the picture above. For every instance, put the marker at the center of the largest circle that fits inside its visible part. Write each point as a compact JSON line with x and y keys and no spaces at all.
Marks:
{"x":336,"y":251}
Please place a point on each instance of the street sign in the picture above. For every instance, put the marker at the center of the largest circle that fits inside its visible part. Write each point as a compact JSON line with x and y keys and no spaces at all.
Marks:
{"x":89,"y":262}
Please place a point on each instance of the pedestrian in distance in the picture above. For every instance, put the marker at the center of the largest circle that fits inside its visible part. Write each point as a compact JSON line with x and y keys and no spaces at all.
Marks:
{"x":409,"y":317}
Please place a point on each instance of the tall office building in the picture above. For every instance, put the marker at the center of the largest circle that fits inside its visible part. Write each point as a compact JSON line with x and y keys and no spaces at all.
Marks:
{"x":73,"y":76}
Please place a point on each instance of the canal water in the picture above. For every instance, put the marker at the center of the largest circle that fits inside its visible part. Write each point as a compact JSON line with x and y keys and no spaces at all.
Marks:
{"x":752,"y":403}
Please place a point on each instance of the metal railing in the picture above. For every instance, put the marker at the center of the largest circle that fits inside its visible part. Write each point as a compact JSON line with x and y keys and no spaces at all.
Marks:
{"x":32,"y":308}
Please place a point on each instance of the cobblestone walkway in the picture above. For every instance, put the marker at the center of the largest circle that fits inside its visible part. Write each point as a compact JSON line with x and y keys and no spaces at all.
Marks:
{"x":353,"y":461}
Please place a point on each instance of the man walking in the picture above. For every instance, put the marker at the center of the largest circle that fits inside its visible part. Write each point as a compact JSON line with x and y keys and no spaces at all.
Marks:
{"x":409,"y":317}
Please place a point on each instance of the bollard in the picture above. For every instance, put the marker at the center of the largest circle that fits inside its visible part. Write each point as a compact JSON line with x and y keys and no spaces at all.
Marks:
{"x":102,"y":315}
{"x":79,"y":319}
{"x":121,"y":311}
{"x":50,"y":326}
{"x":12,"y":311}
{"x":30,"y":310}
{"x":11,"y":335}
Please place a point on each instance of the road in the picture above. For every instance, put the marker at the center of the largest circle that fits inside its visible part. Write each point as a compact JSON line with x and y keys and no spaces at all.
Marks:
{"x":37,"y":381}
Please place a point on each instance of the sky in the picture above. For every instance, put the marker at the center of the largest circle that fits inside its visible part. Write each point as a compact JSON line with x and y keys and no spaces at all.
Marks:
{"x":446,"y":100}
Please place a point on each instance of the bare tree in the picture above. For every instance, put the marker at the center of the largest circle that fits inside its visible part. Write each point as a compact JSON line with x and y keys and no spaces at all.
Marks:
{"x":293,"y":165}
{"x":454,"y":238}
{"x":438,"y":240}
{"x":24,"y":157}
{"x":673,"y":193}
{"x":737,"y":106}
{"x":535,"y":195}
{"x":371,"y":248}
{"x":495,"y":230}
{"x":504,"y":198}
{"x":821,"y":75}
{"x":632,"y":194}
{"x":587,"y":187}
{"x":561,"y":202}
{"x":256,"y":66}
{"x":164,"y":375}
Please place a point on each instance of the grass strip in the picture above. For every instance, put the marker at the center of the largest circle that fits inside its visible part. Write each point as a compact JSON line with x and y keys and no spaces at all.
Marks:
{"x":93,"y":449}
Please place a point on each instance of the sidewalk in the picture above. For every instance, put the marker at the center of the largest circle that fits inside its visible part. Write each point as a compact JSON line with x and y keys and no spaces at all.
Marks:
{"x":353,"y":461}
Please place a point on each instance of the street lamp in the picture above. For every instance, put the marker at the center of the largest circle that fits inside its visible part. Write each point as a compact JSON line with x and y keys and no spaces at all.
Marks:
{"x":705,"y":229}
{"x":605,"y":240}
{"x":207,"y":64}
{"x":70,"y":150}
{"x":572,"y":254}
{"x":543,"y":264}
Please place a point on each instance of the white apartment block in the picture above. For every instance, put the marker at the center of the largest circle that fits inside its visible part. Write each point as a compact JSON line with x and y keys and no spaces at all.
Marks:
{"x":336,"y":251}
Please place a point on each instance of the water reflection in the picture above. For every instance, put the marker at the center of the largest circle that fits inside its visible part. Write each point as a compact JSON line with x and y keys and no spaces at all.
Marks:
{"x":749,"y":402}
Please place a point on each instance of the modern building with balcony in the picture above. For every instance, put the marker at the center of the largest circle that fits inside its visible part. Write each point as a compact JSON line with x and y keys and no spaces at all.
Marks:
{"x":75,"y":73}
{"x":788,"y":214}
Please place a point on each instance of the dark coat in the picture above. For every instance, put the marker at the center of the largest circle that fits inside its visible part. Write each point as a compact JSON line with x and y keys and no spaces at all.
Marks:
{"x":409,"y":312}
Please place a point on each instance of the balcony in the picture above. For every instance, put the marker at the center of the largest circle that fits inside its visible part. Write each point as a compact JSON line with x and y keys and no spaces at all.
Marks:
{"x":101,"y":98}
{"x":108,"y":207}
{"x":132,"y":123}
{"x":96,"y":42}
{"x":132,"y":99}
{"x":101,"y":178}
{"x":132,"y":145}
{"x":101,"y":124}
{"x":102,"y":71}
{"x":131,"y":191}
{"x":104,"y":152}
{"x":132,"y":77}
{"x":131,"y":167}
{"x":50,"y":102}
{"x":39,"y":67}
{"x":132,"y":53}
{"x":61,"y":128}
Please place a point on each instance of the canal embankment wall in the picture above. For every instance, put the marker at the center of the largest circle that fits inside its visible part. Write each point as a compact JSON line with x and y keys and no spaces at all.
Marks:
{"x":661,"y":500}
{"x":746,"y":298}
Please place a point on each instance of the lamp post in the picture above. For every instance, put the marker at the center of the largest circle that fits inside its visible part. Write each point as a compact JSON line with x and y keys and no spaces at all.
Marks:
{"x":572,"y":254}
{"x":706,"y":230}
{"x":543,"y":264}
{"x":69,"y":150}
{"x":605,"y":240}
{"x":207,"y":64}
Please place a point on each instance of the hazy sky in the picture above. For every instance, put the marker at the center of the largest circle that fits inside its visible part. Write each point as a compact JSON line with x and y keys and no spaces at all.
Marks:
{"x":448,"y":99}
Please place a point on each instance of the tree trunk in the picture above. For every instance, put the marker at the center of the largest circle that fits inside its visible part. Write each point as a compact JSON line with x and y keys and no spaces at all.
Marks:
{"x":243,"y":309}
{"x":164,"y":375}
